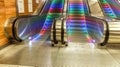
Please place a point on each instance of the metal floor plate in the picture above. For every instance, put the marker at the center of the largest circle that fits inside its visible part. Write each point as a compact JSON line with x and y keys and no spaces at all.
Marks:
{"x":41,"y":54}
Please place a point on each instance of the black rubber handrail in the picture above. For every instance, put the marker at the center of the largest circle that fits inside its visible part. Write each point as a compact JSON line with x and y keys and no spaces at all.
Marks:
{"x":54,"y":32}
{"x":14,"y":32}
{"x":26,"y":16}
{"x":39,"y":12}
{"x":63,"y":8}
{"x":107,"y":34}
{"x":67,"y":8}
{"x":107,"y":27}
{"x":62,"y":32}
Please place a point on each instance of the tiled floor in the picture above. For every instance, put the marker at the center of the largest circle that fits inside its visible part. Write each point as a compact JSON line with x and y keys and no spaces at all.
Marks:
{"x":41,"y":54}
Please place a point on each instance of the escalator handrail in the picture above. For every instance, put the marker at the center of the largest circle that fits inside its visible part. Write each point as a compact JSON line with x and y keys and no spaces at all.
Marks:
{"x":62,"y":22}
{"x":43,"y":7}
{"x":67,"y":11}
{"x":62,"y":32}
{"x":26,"y":16}
{"x":14,"y":27}
{"x":106,"y":38}
{"x":107,"y":34}
{"x":54,"y":32}
{"x":14,"y":32}
{"x":62,"y":27}
{"x":23,"y":16}
{"x":40,"y":10}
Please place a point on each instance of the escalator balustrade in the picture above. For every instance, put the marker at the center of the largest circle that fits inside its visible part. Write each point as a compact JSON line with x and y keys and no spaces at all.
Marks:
{"x":58,"y":32}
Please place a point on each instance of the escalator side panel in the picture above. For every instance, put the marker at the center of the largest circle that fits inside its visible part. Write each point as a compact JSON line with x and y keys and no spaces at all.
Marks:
{"x":28,"y":27}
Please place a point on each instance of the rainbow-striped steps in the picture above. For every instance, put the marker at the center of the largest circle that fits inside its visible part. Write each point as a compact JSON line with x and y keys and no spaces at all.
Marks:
{"x":107,"y":9}
{"x":76,"y":23}
{"x":55,"y":11}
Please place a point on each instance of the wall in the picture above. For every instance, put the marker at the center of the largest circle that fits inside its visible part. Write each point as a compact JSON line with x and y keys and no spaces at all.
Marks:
{"x":3,"y":39}
{"x":26,"y":12}
{"x":10,"y":8}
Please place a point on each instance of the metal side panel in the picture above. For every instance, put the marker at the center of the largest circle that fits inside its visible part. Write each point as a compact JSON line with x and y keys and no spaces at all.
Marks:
{"x":40,"y":7}
{"x":95,"y":8}
{"x":114,"y":32}
{"x":8,"y":27}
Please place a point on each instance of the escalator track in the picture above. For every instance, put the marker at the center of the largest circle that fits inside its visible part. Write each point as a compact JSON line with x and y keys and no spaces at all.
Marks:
{"x":76,"y":23}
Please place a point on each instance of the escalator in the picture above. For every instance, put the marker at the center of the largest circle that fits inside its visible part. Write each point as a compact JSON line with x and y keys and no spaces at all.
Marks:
{"x":107,"y":9}
{"x":75,"y":24}
{"x":111,"y":10}
{"x":34,"y":27}
{"x":79,"y":25}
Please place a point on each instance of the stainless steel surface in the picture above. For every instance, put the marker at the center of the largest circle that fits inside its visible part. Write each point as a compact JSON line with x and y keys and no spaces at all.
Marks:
{"x":58,"y":30}
{"x":40,"y":6}
{"x":41,"y":54}
{"x":65,"y":32}
{"x":65,"y":8}
{"x":114,"y":32}
{"x":95,"y":8}
{"x":114,"y":27}
{"x":8,"y":27}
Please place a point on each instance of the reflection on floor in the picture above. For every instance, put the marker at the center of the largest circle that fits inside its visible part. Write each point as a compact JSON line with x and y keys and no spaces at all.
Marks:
{"x":41,"y":54}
